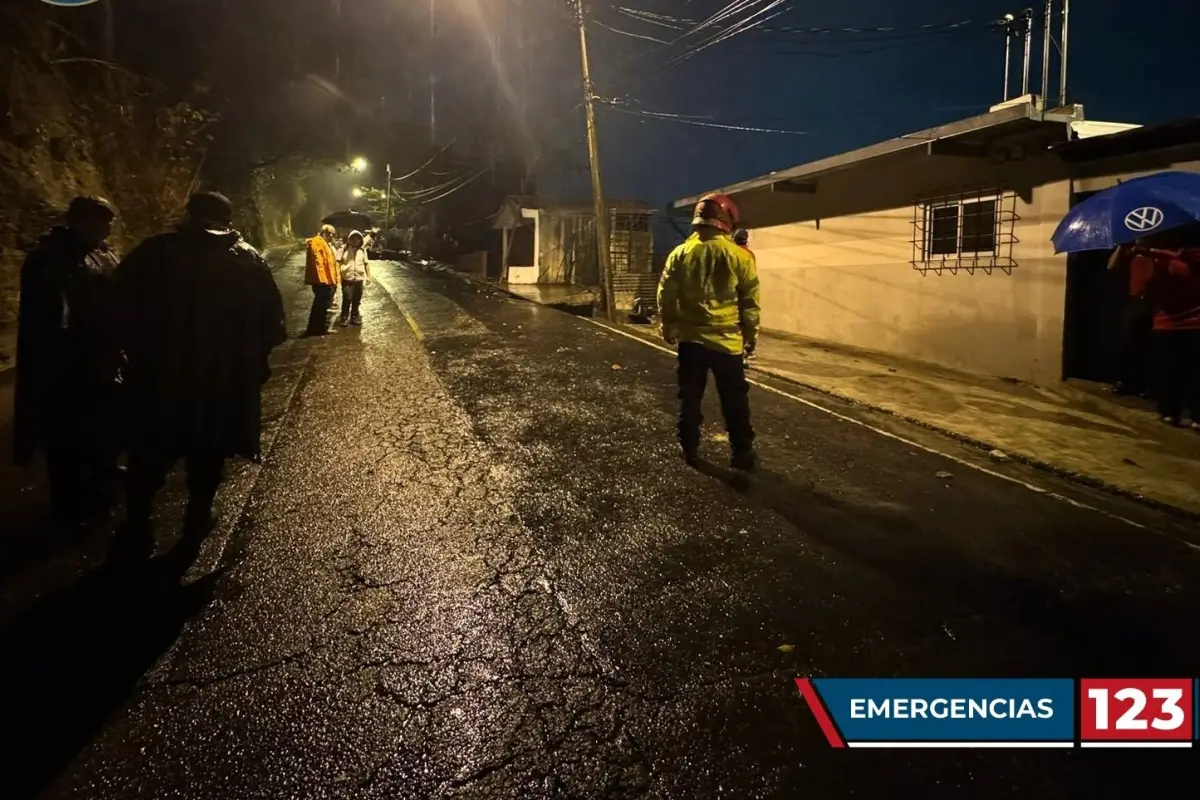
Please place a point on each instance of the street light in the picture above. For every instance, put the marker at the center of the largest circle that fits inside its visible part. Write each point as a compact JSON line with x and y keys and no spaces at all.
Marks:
{"x":359,"y":164}
{"x":356,"y":192}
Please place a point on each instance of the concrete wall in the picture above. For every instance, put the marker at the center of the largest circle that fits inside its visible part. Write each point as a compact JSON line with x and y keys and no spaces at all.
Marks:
{"x":473,"y":263}
{"x":849,"y":280}
{"x":528,"y":273}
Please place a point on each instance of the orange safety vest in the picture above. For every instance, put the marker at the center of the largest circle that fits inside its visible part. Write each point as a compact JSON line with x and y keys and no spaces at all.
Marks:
{"x":321,"y":267}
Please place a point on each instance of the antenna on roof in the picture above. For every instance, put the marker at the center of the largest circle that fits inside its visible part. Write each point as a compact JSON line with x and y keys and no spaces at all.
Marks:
{"x":1013,"y":27}
{"x":1062,"y":77}
{"x":1005,"y":24}
{"x":1027,"y":30}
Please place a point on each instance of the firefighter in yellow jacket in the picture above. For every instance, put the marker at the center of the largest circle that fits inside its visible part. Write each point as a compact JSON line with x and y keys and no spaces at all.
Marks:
{"x":709,"y":300}
{"x":322,"y":274}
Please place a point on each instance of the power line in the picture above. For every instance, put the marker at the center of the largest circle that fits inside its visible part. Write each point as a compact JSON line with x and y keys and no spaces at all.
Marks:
{"x":432,"y":158}
{"x":701,"y":123}
{"x":627,"y":33}
{"x":455,"y":189}
{"x":899,"y":43}
{"x":731,"y":8}
{"x":895,"y":38}
{"x":678,"y":23}
{"x":743,"y":26}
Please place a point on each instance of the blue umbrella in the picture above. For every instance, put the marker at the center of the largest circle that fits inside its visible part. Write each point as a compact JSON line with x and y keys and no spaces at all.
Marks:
{"x":1129,"y":211}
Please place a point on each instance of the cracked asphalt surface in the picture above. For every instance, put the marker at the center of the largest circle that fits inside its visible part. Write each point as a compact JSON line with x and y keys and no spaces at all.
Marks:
{"x":473,"y":565}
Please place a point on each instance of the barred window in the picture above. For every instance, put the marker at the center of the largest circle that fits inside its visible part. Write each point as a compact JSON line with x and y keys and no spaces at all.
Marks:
{"x":967,"y":231}
{"x":966,"y":228}
{"x":631,"y":222}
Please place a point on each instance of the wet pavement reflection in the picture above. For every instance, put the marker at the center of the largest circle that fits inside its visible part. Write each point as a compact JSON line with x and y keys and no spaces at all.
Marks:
{"x":474,"y":565}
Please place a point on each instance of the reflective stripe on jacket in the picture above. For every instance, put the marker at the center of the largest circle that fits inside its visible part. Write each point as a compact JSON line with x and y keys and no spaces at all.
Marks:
{"x":709,"y":294}
{"x":321,"y":267}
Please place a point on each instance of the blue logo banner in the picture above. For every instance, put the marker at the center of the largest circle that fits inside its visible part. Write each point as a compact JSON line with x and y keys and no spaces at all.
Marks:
{"x":951,"y":709}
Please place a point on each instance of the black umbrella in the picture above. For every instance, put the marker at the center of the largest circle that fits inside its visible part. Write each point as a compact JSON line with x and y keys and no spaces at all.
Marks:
{"x":349,"y":219}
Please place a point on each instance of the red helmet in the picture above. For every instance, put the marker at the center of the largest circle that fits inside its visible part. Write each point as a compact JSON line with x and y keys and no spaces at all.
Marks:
{"x":717,"y":211}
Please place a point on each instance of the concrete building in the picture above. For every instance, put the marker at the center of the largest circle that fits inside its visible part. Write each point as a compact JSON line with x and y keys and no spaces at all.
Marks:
{"x":555,"y":243}
{"x":936,"y":245}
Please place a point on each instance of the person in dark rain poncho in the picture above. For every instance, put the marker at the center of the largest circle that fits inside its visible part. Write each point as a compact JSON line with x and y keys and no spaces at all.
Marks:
{"x":69,"y":362}
{"x":201,"y":316}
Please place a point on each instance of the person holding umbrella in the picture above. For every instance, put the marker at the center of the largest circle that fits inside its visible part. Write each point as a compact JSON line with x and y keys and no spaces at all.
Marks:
{"x":1154,"y":222}
{"x":1137,"y":317}
{"x":1174,"y":291}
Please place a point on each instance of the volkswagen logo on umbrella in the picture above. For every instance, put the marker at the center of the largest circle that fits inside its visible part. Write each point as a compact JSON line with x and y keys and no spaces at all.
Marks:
{"x":1143,"y":219}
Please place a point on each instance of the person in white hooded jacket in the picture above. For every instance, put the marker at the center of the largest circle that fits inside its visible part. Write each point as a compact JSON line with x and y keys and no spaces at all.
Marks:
{"x":356,"y":273}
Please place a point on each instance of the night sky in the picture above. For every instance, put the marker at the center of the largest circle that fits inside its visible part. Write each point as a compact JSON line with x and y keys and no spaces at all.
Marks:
{"x":1128,"y":62}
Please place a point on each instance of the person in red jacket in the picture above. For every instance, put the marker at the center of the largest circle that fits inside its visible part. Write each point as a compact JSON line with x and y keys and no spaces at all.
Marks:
{"x":1173,"y":287}
{"x":1136,"y":323}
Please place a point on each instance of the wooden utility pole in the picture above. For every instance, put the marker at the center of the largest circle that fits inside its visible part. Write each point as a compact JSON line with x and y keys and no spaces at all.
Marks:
{"x":110,"y":32}
{"x":603,"y":254}
{"x":433,"y":72}
{"x":387,"y":215}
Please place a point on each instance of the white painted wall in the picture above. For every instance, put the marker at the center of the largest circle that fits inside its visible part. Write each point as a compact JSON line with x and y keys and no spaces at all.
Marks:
{"x":529,"y":274}
{"x":850,"y":281}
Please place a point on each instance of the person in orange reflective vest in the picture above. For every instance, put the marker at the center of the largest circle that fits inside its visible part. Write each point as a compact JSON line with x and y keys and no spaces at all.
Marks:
{"x":322,"y":274}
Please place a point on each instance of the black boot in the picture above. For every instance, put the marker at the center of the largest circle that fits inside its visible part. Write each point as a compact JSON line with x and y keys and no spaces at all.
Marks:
{"x":199,"y":519}
{"x":744,"y":459}
{"x":133,"y":543}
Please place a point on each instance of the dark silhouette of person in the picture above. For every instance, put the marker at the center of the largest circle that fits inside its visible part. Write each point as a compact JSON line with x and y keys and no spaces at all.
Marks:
{"x":69,"y":361}
{"x":201,"y":314}
{"x":1136,"y":323}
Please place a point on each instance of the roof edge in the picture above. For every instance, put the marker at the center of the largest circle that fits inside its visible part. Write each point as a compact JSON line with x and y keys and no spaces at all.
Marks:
{"x":979,"y":122}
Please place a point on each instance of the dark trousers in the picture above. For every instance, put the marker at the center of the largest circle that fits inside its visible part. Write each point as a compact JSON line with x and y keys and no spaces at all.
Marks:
{"x":729,"y":371}
{"x":83,"y":443}
{"x":82,"y":478}
{"x":1177,"y":372}
{"x":148,"y":472}
{"x":318,"y":316}
{"x":352,"y":292}
{"x":1136,"y":349}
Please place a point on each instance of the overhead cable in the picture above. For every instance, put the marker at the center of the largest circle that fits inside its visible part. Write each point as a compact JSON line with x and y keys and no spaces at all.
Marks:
{"x":432,"y":158}
{"x":455,"y":189}
{"x":701,"y":123}
{"x":743,"y":26}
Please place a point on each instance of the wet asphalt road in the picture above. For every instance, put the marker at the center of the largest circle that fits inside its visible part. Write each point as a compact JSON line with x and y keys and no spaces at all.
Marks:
{"x":473,"y":565}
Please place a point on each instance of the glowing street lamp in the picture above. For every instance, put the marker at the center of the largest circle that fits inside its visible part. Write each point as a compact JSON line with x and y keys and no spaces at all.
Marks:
{"x":356,"y":192}
{"x":359,"y":164}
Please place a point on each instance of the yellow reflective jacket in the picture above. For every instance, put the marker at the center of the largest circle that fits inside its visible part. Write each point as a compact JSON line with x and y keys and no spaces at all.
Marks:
{"x":708,"y":292}
{"x":321,"y":267}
